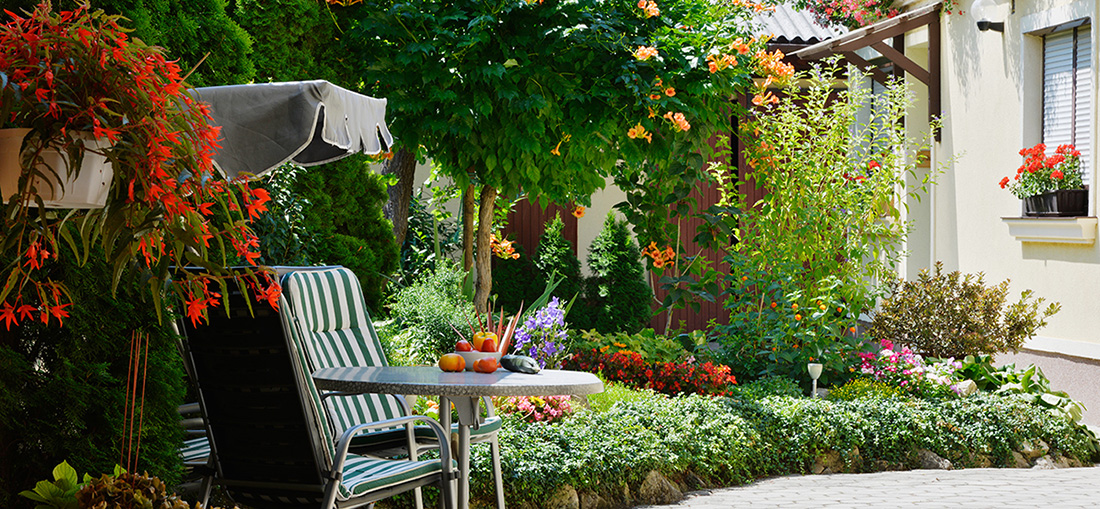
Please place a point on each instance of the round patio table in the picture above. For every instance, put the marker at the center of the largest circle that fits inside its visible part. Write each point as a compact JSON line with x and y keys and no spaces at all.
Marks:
{"x":462,"y":388}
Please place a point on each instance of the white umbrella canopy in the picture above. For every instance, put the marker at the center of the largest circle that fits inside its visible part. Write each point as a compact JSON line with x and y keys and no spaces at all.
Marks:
{"x":265,"y":125}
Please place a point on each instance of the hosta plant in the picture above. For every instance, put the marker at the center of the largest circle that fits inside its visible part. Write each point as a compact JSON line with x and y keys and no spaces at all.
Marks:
{"x":63,"y":73}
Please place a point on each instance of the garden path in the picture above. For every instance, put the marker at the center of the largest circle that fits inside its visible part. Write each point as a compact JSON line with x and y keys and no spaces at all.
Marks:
{"x":967,"y":488}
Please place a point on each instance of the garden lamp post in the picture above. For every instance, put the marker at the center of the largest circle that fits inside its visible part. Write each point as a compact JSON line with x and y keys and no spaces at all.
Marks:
{"x":815,"y":372}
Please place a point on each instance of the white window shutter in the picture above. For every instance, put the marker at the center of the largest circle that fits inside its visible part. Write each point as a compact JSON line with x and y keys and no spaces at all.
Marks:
{"x":1067,"y":115}
{"x":1085,"y":91}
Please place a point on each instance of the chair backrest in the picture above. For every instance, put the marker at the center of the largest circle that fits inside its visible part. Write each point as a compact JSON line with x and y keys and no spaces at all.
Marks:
{"x":271,"y":442}
{"x":328,"y":311}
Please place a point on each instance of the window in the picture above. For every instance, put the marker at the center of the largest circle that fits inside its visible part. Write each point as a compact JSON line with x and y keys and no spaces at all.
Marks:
{"x":1067,"y":92}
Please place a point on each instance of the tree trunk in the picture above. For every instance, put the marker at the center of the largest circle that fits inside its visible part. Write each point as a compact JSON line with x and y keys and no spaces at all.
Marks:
{"x":468,"y":206}
{"x":396,"y":209}
{"x":484,"y":252}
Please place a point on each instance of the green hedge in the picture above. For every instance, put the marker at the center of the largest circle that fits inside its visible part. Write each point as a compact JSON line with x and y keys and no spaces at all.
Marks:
{"x":725,"y":441}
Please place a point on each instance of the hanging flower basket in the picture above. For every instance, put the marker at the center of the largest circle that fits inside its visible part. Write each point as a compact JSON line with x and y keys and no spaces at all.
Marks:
{"x":81,"y":97}
{"x":86,"y":189}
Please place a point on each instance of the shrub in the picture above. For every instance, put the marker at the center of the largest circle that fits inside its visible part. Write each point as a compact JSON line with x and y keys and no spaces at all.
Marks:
{"x":724,"y":441}
{"x":344,"y":206}
{"x":284,"y":237}
{"x":428,"y":311}
{"x":616,"y":293}
{"x":665,"y":377}
{"x":1029,"y":381}
{"x":513,"y":283}
{"x":651,"y":346}
{"x":861,"y":387}
{"x":556,"y":255}
{"x":819,"y":235}
{"x":769,"y":386}
{"x":613,"y":393}
{"x":954,"y":315}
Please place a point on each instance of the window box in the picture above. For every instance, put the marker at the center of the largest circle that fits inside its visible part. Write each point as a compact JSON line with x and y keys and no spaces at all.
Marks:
{"x":1060,"y":203}
{"x":1058,"y":230}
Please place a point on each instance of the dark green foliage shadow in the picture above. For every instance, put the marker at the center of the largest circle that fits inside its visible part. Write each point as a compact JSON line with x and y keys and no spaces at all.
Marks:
{"x":63,"y":390}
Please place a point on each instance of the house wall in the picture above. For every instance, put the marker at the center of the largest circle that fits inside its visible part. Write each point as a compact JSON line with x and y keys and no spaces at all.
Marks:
{"x":992,"y":102}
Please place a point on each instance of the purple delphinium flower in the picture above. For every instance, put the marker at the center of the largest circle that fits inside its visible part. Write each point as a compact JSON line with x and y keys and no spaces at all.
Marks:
{"x":542,"y":335}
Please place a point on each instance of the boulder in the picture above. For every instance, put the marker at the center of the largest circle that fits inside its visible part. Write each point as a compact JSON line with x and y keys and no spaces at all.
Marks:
{"x":1044,"y":463}
{"x":564,"y":498}
{"x":1034,"y":448}
{"x":966,"y":388}
{"x":1020,"y":461}
{"x":978,"y":460}
{"x":657,"y":490}
{"x":929,"y":460}
{"x":828,"y":463}
{"x":589,"y":500}
{"x":886,"y":466}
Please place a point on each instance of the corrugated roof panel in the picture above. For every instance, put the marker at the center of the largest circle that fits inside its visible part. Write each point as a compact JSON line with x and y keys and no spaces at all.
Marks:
{"x":788,"y":25}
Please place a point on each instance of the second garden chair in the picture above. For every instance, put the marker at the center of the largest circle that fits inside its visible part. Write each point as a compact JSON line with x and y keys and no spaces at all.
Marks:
{"x":327,"y":307}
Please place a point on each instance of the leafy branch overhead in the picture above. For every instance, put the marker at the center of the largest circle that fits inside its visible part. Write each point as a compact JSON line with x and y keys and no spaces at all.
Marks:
{"x":550,"y":98}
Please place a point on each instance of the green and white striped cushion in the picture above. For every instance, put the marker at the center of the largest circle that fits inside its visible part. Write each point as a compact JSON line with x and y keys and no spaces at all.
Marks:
{"x":195,"y":451}
{"x":362,"y":474}
{"x":330,"y":312}
{"x":317,"y":408}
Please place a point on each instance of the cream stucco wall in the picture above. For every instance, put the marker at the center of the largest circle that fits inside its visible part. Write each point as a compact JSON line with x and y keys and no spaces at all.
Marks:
{"x":992,"y":103}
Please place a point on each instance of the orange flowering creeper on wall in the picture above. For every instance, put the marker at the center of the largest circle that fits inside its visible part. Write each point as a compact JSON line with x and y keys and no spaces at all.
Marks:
{"x":73,"y":72}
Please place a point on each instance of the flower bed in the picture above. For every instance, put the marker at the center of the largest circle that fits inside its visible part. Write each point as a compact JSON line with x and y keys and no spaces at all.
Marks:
{"x":664,"y":377}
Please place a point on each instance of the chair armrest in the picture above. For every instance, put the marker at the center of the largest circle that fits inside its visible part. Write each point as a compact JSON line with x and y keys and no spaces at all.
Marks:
{"x":406,"y":409}
{"x":344,"y":442}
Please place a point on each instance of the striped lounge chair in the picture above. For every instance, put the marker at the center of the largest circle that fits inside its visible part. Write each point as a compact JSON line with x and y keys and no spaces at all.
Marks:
{"x":327,"y":308}
{"x":273,"y":445}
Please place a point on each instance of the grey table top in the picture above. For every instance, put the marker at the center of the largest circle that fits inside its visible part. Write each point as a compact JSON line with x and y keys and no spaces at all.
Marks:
{"x":430,"y":380}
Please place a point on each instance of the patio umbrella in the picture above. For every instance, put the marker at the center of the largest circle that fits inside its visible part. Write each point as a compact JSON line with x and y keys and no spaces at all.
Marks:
{"x":265,"y":125}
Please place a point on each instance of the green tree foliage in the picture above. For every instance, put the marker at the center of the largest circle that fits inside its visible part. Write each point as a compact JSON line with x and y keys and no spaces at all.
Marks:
{"x":63,"y":389}
{"x":542,"y":96}
{"x":616,"y":291}
{"x":294,"y":40}
{"x":187,"y":29}
{"x":556,"y":255}
{"x":344,"y":207}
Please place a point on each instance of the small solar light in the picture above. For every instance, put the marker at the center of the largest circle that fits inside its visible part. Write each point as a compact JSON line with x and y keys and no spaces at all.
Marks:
{"x":815,"y":372}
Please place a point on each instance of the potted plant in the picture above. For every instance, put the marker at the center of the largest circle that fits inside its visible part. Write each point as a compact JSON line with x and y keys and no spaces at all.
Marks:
{"x":1050,"y":186}
{"x":74,"y":84}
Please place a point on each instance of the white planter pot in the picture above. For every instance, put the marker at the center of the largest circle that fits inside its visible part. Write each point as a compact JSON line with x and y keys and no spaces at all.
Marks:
{"x":87,"y":191}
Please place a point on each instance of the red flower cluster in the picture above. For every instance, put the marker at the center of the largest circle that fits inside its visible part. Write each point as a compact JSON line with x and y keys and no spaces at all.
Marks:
{"x":1040,"y":174}
{"x":78,"y":71}
{"x":665,"y":377}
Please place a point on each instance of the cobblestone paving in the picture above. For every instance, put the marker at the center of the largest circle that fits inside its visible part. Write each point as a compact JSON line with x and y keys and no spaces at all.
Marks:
{"x":967,"y":488}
